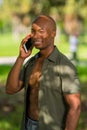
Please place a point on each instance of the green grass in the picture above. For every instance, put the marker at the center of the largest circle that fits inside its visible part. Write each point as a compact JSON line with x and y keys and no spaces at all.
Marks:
{"x":63,"y":46}
{"x":82,"y":72}
{"x":4,"y":70}
{"x":9,"y":46}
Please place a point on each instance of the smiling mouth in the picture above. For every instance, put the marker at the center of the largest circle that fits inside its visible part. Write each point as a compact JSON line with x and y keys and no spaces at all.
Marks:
{"x":36,"y":42}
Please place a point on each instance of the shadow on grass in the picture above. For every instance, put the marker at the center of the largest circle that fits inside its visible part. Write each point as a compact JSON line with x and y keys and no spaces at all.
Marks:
{"x":11,"y":108}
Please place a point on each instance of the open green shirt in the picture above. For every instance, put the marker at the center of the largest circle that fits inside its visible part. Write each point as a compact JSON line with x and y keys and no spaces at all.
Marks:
{"x":59,"y":76}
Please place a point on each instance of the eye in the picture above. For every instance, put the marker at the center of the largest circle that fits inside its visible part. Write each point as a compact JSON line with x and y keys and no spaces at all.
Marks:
{"x":32,"y":31}
{"x":42,"y":31}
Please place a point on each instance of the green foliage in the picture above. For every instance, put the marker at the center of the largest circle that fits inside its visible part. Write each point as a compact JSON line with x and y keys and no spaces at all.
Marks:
{"x":36,"y":7}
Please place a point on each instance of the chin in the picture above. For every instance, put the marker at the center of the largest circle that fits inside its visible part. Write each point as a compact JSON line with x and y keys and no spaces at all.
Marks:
{"x":38,"y":47}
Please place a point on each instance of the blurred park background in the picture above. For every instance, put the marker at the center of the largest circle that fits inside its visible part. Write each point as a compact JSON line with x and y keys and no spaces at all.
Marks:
{"x":15,"y":21}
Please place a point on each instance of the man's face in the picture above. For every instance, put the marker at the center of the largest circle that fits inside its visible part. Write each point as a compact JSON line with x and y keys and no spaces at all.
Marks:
{"x":42,"y":35}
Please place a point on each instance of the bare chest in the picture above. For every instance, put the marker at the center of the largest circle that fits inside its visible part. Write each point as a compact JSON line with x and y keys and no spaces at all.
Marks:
{"x":34,"y":88}
{"x":36,"y":73}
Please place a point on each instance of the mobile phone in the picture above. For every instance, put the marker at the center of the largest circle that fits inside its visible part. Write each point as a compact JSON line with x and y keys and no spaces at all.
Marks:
{"x":27,"y":45}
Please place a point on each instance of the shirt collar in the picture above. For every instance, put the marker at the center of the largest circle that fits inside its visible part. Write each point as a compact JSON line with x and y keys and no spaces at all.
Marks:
{"x":53,"y":56}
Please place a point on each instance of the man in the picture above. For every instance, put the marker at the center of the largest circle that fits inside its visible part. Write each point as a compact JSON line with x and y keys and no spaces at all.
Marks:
{"x":52,"y":92}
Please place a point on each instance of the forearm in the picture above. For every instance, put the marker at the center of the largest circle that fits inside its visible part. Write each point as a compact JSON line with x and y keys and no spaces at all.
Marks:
{"x":72,"y":119}
{"x":12,"y":84}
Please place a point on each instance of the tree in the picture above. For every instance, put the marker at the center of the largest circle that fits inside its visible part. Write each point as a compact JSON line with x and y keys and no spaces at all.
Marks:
{"x":58,"y":8}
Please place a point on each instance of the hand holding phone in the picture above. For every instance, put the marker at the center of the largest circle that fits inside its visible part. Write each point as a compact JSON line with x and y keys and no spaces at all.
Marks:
{"x":27,"y":45}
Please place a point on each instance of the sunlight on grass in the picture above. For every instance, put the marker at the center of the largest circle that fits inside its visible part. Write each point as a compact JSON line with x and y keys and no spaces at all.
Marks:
{"x":82,"y":72}
{"x":10,"y":46}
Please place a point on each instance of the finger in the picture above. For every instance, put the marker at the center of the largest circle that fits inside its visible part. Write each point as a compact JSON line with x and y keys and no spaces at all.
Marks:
{"x":26,"y":39}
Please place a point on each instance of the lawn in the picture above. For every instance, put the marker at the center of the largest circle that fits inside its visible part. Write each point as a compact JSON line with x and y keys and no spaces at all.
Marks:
{"x":9,"y":46}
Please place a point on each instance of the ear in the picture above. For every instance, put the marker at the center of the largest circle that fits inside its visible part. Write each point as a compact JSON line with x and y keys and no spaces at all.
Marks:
{"x":53,"y":34}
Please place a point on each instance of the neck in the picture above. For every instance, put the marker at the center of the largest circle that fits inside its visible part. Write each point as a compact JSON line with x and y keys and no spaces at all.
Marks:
{"x":47,"y":51}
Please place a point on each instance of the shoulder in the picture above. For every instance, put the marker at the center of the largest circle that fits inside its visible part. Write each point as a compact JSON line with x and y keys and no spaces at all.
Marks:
{"x":64,"y":63}
{"x":63,"y":59}
{"x":30,"y":60}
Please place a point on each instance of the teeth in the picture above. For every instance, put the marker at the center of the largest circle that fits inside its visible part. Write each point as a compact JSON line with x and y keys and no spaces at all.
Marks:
{"x":38,"y":41}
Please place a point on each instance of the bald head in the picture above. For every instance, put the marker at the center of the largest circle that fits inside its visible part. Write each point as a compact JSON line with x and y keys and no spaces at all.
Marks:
{"x":46,"y":21}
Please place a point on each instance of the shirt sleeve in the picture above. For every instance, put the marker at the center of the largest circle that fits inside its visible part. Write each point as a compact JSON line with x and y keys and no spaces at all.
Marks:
{"x":70,"y":81}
